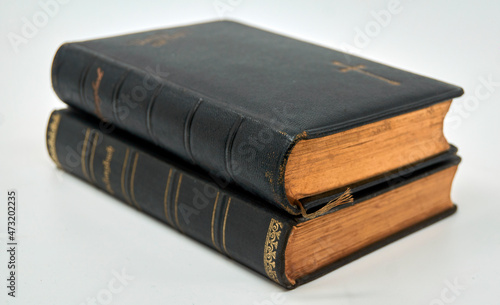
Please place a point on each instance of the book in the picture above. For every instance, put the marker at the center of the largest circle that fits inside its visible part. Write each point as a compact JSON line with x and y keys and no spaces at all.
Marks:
{"x":290,"y":250}
{"x":285,"y":119}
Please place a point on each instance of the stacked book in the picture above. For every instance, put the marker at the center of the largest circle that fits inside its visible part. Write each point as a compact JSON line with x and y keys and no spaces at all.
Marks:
{"x":290,"y":158}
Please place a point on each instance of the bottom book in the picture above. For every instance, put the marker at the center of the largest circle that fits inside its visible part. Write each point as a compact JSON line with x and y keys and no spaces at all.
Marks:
{"x":288,"y":249}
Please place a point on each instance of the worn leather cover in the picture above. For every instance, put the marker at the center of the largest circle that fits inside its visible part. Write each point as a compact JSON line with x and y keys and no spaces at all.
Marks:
{"x":206,"y":208}
{"x":233,"y":99}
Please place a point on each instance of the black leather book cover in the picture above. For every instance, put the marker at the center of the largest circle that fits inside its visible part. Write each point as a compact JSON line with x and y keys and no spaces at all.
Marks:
{"x":206,"y":208}
{"x":233,"y":99}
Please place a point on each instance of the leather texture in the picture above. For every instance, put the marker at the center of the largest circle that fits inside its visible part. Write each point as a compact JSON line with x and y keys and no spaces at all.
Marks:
{"x":233,"y":99}
{"x":206,"y":208}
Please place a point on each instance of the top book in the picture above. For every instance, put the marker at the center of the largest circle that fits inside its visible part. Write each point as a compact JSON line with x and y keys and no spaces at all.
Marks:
{"x":284,"y":119}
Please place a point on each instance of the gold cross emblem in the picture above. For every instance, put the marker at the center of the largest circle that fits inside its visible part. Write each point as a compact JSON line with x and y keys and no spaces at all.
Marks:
{"x":360,"y":69}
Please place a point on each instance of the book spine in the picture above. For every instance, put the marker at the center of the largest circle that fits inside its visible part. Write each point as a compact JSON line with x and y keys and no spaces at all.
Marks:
{"x":238,"y":227}
{"x":194,"y":127}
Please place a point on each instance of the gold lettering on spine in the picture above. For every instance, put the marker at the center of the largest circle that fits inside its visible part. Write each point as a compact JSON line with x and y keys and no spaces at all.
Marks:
{"x":123,"y":176}
{"x":84,"y":152}
{"x":224,"y":226}
{"x":165,"y":197}
{"x":107,"y":168}
{"x":270,"y":247}
{"x":92,"y":154}
{"x":213,"y":220}
{"x":95,"y":87}
{"x":51,"y":138}
{"x":132,"y":179}
{"x":176,"y":201}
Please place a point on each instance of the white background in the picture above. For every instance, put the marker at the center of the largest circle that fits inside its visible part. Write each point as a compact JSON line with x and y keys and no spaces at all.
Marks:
{"x":72,"y":237}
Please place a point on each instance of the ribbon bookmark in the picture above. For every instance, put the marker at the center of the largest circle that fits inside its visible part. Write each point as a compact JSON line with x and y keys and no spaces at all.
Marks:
{"x":346,"y":197}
